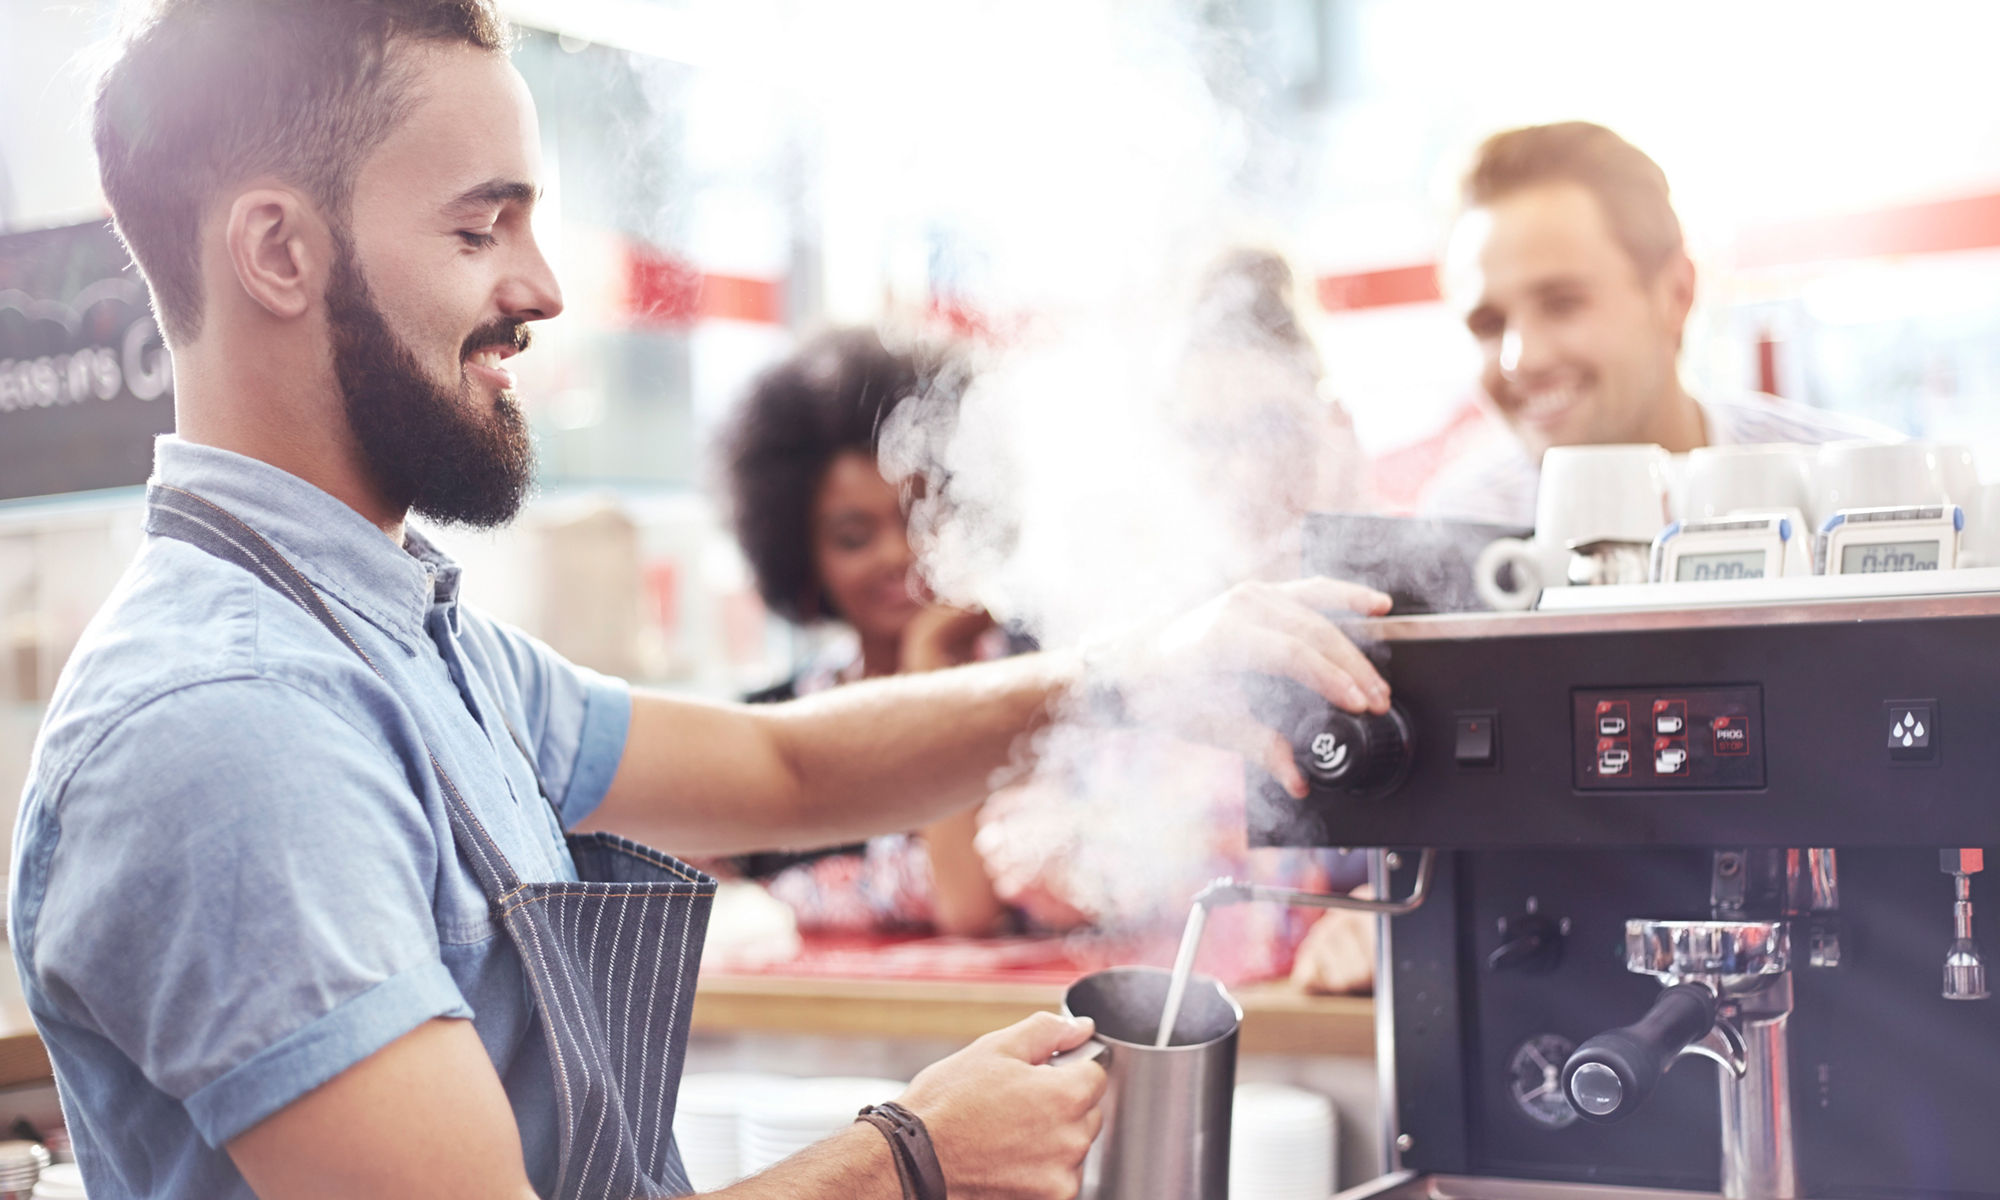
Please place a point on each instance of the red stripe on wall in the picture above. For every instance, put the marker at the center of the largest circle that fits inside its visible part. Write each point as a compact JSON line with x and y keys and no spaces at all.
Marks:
{"x":1968,"y":223}
{"x":1938,"y":227}
{"x":661,"y":289}
{"x":736,"y":298}
{"x":1378,"y":289}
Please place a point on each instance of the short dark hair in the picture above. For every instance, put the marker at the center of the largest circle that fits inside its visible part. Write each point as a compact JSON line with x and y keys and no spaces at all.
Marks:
{"x":207,"y":93}
{"x":1628,"y":186}
{"x":829,"y":398}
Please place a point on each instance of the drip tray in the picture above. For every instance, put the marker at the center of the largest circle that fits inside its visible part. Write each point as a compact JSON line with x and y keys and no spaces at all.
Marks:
{"x":1405,"y":1186}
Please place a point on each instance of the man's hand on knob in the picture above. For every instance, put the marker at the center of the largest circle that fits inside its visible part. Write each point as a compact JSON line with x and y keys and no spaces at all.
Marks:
{"x":1188,"y":675}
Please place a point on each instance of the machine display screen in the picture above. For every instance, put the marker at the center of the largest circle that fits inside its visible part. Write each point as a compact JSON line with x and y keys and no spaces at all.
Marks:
{"x":1877,"y":557}
{"x":1740,"y":564}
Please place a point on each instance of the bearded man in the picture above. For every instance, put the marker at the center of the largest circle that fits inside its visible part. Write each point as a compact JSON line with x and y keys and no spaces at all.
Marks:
{"x":319,"y":887}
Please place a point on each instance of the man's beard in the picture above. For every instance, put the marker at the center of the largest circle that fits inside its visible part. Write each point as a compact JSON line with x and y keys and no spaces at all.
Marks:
{"x":425,"y":447}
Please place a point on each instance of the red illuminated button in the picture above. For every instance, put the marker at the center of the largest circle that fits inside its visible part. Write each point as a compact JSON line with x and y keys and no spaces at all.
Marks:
{"x":1732,"y":735}
{"x":1613,"y":718}
{"x":1670,"y":718}
{"x":1670,"y":756}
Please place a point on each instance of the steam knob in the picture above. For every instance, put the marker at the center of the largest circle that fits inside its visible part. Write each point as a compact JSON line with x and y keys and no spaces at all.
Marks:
{"x":1358,"y":753}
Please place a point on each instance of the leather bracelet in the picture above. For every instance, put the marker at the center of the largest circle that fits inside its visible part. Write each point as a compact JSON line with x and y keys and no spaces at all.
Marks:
{"x":910,"y":1145}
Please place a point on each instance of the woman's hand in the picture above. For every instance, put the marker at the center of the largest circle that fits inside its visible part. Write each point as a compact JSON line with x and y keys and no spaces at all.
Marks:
{"x":941,"y":636}
{"x":1337,"y":957}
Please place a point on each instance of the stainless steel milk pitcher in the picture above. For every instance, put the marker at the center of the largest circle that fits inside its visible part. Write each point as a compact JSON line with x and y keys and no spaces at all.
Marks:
{"x":1166,"y":1115}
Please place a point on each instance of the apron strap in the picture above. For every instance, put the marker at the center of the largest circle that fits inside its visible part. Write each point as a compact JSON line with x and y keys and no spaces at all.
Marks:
{"x":207,"y":526}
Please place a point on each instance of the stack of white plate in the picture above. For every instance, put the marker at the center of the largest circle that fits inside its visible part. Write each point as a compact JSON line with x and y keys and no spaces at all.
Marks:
{"x":1280,"y":1144}
{"x":60,"y":1181}
{"x":706,"y":1117}
{"x":785,"y":1119}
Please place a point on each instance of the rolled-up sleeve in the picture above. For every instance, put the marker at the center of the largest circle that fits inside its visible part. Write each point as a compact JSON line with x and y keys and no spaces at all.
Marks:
{"x":256,"y":913}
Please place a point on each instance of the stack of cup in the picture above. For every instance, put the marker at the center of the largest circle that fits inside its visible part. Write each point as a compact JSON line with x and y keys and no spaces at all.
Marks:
{"x":21,"y":1166}
{"x":1281,"y":1144}
{"x":61,"y":1181}
{"x":1849,"y":475}
{"x":706,"y":1118}
{"x":784,"y":1120}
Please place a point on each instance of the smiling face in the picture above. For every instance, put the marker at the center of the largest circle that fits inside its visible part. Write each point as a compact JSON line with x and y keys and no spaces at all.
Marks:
{"x":1576,"y":345}
{"x":433,"y":286}
{"x":861,"y":548}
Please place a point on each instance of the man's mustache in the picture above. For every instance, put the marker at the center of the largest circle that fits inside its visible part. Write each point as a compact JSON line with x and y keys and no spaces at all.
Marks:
{"x":498,"y":333}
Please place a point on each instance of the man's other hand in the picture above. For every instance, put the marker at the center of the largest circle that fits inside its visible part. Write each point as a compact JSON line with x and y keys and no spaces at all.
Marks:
{"x":1188,"y":675}
{"x":1006,"y":1126}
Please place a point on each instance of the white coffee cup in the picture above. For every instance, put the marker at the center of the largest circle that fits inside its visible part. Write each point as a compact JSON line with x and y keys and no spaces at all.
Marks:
{"x":1756,"y":477}
{"x":1587,"y":494}
{"x":1885,"y":474}
{"x":1601,"y":493}
{"x":1960,"y":467}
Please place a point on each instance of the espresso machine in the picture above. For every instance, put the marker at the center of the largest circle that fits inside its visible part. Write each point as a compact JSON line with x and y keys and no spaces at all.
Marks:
{"x":1685,"y":893}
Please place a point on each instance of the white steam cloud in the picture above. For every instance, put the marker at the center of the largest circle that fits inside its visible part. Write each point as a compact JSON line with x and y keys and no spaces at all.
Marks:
{"x":1117,"y":457}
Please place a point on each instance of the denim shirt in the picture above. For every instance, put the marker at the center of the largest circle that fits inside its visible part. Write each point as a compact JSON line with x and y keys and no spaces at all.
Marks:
{"x":233,"y":874}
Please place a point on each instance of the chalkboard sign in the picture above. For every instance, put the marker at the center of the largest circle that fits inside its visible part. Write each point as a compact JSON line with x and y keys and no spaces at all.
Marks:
{"x":85,"y":381}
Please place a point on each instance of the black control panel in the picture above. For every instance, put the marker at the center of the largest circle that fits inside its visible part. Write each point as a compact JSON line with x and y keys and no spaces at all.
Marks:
{"x":1613,"y":730}
{"x":1681,"y":738}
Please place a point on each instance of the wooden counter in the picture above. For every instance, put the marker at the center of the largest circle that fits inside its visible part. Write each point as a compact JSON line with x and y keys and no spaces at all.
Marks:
{"x":22,"y":1058}
{"x":1276,"y":1018}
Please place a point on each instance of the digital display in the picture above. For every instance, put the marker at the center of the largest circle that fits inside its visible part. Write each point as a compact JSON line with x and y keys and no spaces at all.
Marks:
{"x":1738,"y":564}
{"x":1877,"y":557}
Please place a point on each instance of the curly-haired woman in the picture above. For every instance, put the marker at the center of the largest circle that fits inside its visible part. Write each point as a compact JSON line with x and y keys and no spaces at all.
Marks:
{"x":824,"y":534}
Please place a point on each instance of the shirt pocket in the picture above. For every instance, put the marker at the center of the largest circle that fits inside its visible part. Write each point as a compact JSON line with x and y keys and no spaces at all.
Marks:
{"x":464,"y":918}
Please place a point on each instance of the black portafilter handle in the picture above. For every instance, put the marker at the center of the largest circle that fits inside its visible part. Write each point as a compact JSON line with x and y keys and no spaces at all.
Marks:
{"x":1611,"y":1075}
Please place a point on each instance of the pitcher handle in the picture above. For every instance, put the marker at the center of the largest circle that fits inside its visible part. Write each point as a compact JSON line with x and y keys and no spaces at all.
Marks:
{"x":1090,"y":1051}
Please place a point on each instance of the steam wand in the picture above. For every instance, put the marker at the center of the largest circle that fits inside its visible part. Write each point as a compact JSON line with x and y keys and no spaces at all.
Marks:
{"x":1232,"y":891}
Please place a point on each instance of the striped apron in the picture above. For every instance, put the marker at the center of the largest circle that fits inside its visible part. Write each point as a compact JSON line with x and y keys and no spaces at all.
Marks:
{"x":610,"y":959}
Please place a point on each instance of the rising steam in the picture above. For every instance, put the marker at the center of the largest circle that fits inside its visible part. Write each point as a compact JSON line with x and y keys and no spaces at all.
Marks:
{"x":1122,"y":452}
{"x":1125,"y":451}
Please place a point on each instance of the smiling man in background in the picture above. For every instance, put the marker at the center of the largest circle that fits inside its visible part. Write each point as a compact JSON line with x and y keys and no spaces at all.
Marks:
{"x":302,"y":902}
{"x":1568,"y":267}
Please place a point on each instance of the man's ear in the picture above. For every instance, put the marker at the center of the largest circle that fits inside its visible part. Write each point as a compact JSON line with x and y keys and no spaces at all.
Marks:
{"x":279,"y":250}
{"x":1675,"y":290}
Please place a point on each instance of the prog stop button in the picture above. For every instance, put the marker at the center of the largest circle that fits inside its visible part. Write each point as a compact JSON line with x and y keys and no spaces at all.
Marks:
{"x":1732,"y":735}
